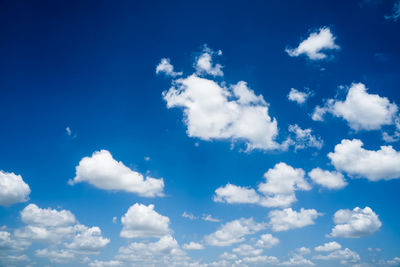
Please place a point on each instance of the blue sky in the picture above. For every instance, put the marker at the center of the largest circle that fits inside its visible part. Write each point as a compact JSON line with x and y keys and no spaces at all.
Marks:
{"x":208,"y":133}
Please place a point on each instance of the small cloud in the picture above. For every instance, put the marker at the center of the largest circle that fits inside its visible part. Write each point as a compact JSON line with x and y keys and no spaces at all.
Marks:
{"x":209,"y":218}
{"x":395,"y":12}
{"x":114,"y":219}
{"x":146,"y":158}
{"x":166,"y":67}
{"x":189,"y":216}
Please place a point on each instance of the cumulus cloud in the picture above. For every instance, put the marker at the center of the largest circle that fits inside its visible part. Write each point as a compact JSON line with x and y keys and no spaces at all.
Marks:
{"x":103,"y":171}
{"x":33,"y":215}
{"x":260,"y":260}
{"x":204,"y":63}
{"x":267,"y":241}
{"x":298,"y":96}
{"x":55,"y":256}
{"x":234,"y":232}
{"x":361,"y":110}
{"x":13,"y":189}
{"x":166,"y":67}
{"x":142,"y":221}
{"x":277,"y":191}
{"x":303,"y":138}
{"x":355,"y":223}
{"x":193,"y":246}
{"x":328,"y":179}
{"x":315,"y":46}
{"x":97,"y":263}
{"x":287,"y":219}
{"x":247,"y":250}
{"x":350,"y":157}
{"x":327,"y":247}
{"x":345,"y":256}
{"x":298,"y":260}
{"x":219,"y":111}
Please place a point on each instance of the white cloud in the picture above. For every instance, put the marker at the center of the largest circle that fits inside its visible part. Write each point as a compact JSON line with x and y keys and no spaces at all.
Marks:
{"x":35,"y":216}
{"x":193,"y":246}
{"x":303,"y":138}
{"x":355,"y":223}
{"x":143,"y":221}
{"x":204,"y":63}
{"x":235,"y":113}
{"x":267,"y":241}
{"x":303,"y":250}
{"x":327,"y":247}
{"x":209,"y":218}
{"x":104,"y":172}
{"x":298,"y":96}
{"x":277,"y":191}
{"x":56,"y":256}
{"x":396,"y":12}
{"x":345,"y":256}
{"x":88,"y":240}
{"x":13,"y":189}
{"x":189,"y":216}
{"x":165,"y":67}
{"x":257,"y":261}
{"x":361,"y":110}
{"x":8,"y":242}
{"x":111,"y":263}
{"x":328,"y":179}
{"x":247,"y":250}
{"x":298,"y":260}
{"x":287,"y":219}
{"x":350,"y":157}
{"x":394,"y":262}
{"x":233,"y":232}
{"x":315,"y":45}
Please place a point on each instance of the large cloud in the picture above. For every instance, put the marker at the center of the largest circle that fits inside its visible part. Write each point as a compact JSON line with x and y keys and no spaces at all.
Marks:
{"x":277,"y":191}
{"x":12,"y":189}
{"x":233,"y":232}
{"x":355,"y":223}
{"x":142,"y":221}
{"x":283,"y":220}
{"x":350,"y":157}
{"x":315,"y":45}
{"x":104,"y":172}
{"x":361,"y":110}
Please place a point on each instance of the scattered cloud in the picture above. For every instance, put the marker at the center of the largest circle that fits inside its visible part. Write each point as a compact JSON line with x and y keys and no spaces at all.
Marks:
{"x":327,"y":247}
{"x":355,"y":223}
{"x":315,"y":46}
{"x":190,"y":216}
{"x":298,"y":260}
{"x":328,"y":179}
{"x":13,"y":189}
{"x":247,"y":250}
{"x":345,"y":256}
{"x":287,"y":219}
{"x":103,"y":171}
{"x":204,"y":63}
{"x":166,"y":67}
{"x":193,"y":246}
{"x":298,"y":96}
{"x":350,"y":157}
{"x":303,"y":138}
{"x":267,"y":241}
{"x":209,"y":218}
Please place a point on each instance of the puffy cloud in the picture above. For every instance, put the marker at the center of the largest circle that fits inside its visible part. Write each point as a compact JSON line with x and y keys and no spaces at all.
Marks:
{"x":165,"y":67}
{"x":330,"y":246}
{"x":143,"y":221}
{"x":35,"y":216}
{"x":303,"y":250}
{"x":204,"y":63}
{"x":361,"y":110}
{"x":104,"y":172}
{"x":247,"y":250}
{"x":8,"y":242}
{"x":233,"y":232}
{"x":303,"y":138}
{"x":56,"y":256}
{"x":193,"y":246}
{"x":12,"y":189}
{"x":298,"y":96}
{"x":355,"y":223}
{"x":396,"y":12}
{"x":283,"y":220}
{"x":350,"y":157}
{"x":277,"y":191}
{"x":267,"y":241}
{"x":345,"y":256}
{"x":328,"y":179}
{"x":297,"y":260}
{"x":315,"y":45}
{"x":88,"y":240}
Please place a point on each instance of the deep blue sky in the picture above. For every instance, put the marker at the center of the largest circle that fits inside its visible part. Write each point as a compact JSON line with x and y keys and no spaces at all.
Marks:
{"x":90,"y":66}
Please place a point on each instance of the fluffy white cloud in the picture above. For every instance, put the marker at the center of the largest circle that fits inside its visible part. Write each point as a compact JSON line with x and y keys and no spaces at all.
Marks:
{"x":88,"y":240}
{"x":257,"y":261}
{"x":361,"y":110}
{"x":56,"y":256}
{"x":204,"y":63}
{"x":234,"y":194}
{"x":350,"y":157}
{"x":283,"y":220}
{"x":267,"y":241}
{"x":8,"y":242}
{"x":355,"y":223}
{"x":111,"y":263}
{"x":303,"y":138}
{"x":303,"y":250}
{"x":330,"y":246}
{"x":35,"y":216}
{"x":166,"y":67}
{"x":328,"y":179}
{"x":345,"y":256}
{"x":193,"y":246}
{"x":233,"y":232}
{"x":297,"y":260}
{"x":12,"y":189}
{"x":298,"y":96}
{"x":104,"y":172}
{"x":143,"y":221}
{"x":247,"y":250}
{"x":315,"y":45}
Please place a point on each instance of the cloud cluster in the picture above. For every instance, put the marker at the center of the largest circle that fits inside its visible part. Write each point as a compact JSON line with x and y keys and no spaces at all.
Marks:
{"x":355,"y":223}
{"x":315,"y":46}
{"x":13,"y":189}
{"x":103,"y":171}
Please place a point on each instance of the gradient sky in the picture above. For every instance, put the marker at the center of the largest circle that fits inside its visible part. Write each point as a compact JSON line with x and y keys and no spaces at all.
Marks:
{"x":265,"y":132}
